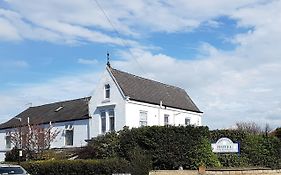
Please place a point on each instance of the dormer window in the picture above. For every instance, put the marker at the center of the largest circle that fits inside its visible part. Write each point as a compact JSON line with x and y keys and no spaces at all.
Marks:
{"x":107,"y":91}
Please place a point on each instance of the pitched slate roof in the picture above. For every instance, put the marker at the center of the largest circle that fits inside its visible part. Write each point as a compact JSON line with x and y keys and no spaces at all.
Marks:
{"x":54,"y":112}
{"x":149,"y":91}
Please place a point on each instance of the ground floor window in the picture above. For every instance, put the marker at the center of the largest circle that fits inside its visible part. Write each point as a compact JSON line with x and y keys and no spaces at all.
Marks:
{"x":143,"y":118}
{"x":166,"y":119}
{"x":111,"y":120}
{"x":103,"y":121}
{"x":187,"y":121}
{"x":69,"y":135}
{"x":8,"y":142}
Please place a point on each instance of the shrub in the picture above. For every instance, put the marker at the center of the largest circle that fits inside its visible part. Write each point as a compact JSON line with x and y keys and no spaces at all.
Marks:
{"x":101,"y":147}
{"x":13,"y":155}
{"x":255,"y":149}
{"x":170,"y":147}
{"x":77,"y":167}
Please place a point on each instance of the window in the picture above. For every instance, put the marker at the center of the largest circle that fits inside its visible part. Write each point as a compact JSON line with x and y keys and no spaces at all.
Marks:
{"x":111,"y":120}
{"x":166,"y":119}
{"x":69,"y":135}
{"x":11,"y":170}
{"x":143,"y":118}
{"x":8,"y":142}
{"x":103,"y":121}
{"x":107,"y":91}
{"x":187,"y":121}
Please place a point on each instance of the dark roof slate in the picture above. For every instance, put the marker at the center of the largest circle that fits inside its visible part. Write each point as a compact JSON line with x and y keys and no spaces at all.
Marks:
{"x":71,"y":110}
{"x":149,"y":91}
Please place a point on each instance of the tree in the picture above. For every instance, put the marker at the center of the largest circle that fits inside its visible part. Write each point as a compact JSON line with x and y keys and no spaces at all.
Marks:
{"x":33,"y":139}
{"x":249,"y":127}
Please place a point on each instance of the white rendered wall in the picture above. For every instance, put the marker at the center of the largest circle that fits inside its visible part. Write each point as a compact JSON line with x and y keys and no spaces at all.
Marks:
{"x":155,"y":115}
{"x":98,"y":103}
{"x":3,"y":145}
{"x":80,"y":133}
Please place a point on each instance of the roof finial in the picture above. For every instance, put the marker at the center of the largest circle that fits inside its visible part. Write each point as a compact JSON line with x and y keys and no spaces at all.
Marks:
{"x":108,"y":63}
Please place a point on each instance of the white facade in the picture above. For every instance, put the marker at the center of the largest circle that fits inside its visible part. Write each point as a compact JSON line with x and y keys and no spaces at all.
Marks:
{"x":127,"y":112}
{"x":110,"y":109}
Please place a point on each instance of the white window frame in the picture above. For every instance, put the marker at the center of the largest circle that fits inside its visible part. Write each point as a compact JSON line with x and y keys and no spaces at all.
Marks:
{"x":110,"y":118}
{"x":166,"y":116}
{"x":107,"y":91}
{"x":143,"y":118}
{"x":68,"y":128}
{"x":103,"y":129}
{"x":8,"y":146}
{"x":187,"y":118}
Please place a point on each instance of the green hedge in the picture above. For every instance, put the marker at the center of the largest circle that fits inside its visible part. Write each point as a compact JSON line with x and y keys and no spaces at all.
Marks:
{"x":256,"y":149}
{"x":77,"y":167}
{"x":166,"y":147}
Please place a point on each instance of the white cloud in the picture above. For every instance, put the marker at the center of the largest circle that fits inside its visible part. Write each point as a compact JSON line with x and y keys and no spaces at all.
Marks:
{"x":239,"y":85}
{"x":72,"y":21}
{"x":88,"y":61}
{"x":15,"y":100}
{"x":243,"y":84}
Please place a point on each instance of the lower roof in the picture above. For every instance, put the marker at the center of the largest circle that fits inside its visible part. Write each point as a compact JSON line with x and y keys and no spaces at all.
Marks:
{"x":54,"y":112}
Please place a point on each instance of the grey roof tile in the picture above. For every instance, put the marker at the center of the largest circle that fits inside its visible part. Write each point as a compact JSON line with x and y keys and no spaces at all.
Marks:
{"x":71,"y":110}
{"x":149,"y":91}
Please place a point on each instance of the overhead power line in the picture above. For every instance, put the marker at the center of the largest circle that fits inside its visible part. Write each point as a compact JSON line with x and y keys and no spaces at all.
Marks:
{"x":125,"y":44}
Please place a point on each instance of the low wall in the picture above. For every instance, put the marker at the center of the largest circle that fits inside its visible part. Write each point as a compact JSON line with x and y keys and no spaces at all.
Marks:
{"x":216,"y":172}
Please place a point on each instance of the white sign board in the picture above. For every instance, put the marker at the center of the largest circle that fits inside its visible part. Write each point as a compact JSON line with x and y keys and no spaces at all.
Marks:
{"x":225,"y":145}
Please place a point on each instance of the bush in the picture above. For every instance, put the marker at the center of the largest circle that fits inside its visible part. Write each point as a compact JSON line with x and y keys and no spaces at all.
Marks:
{"x":101,"y":147}
{"x":255,"y":149}
{"x":77,"y":167}
{"x":170,"y":147}
{"x":13,"y":155}
{"x":166,"y":147}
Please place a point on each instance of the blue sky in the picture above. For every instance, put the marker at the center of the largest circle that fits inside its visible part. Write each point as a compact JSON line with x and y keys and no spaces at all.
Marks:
{"x":225,"y":54}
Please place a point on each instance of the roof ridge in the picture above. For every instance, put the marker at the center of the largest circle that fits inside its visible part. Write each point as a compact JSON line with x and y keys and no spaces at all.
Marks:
{"x":61,"y":102}
{"x":172,"y":86}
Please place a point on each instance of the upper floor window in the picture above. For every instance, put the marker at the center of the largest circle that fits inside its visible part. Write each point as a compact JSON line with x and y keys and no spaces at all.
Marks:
{"x":107,"y":91}
{"x":143,"y":118}
{"x":111,"y":120}
{"x":103,"y":121}
{"x":8,"y":142}
{"x":166,"y":119}
{"x":187,"y":121}
{"x":69,"y":135}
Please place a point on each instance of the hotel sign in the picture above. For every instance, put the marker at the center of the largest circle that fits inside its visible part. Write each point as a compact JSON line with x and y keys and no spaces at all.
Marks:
{"x":225,"y":145}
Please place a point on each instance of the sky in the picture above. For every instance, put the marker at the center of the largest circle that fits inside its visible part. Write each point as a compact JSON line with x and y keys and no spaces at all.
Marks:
{"x":225,"y":54}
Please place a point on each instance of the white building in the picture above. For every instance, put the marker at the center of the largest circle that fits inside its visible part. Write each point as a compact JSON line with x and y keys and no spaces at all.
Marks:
{"x":120,"y":99}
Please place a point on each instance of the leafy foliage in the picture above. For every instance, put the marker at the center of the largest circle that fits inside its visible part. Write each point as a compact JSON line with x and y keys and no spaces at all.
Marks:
{"x":256,"y":149}
{"x":166,"y":147}
{"x":13,"y":155}
{"x":106,"y":146}
{"x":77,"y":167}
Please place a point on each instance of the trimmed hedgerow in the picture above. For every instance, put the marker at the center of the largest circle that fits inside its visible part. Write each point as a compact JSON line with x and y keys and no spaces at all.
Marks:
{"x":167,"y":147}
{"x":256,"y":149}
{"x":77,"y":167}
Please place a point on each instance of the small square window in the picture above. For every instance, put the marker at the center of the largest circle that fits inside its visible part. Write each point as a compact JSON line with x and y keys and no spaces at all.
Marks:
{"x":187,"y":121}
